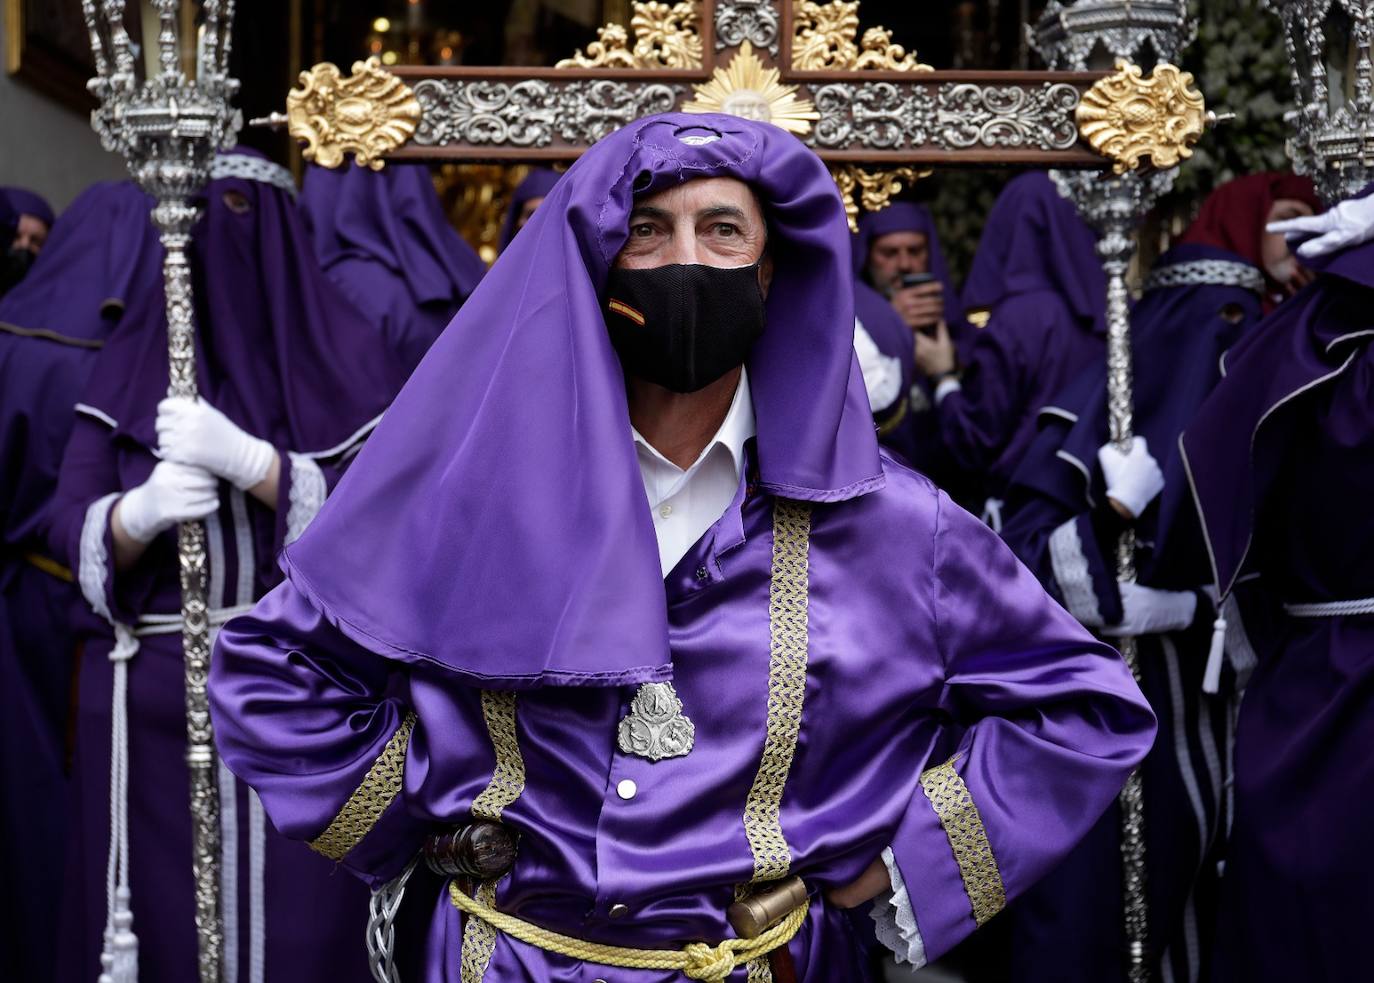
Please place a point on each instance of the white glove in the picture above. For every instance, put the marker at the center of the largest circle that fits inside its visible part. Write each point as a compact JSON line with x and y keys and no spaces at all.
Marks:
{"x":1147,"y":611}
{"x":190,"y":431}
{"x":1347,"y":224}
{"x":1134,"y":478}
{"x":173,"y":493}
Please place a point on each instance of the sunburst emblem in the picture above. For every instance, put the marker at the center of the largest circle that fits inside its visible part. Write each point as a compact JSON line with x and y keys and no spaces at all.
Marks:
{"x":747,"y":88}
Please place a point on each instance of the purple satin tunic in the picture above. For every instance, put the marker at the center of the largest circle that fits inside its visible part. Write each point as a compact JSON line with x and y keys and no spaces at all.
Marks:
{"x":923,"y":631}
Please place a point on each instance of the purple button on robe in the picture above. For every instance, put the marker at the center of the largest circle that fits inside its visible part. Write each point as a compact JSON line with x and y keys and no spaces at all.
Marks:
{"x":1279,"y":457}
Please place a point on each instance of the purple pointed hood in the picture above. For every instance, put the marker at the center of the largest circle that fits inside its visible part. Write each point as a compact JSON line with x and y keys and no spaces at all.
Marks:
{"x":536,"y":184}
{"x":25,"y":202}
{"x":278,"y":350}
{"x":496,"y":522}
{"x":1035,"y":241}
{"x":393,"y":217}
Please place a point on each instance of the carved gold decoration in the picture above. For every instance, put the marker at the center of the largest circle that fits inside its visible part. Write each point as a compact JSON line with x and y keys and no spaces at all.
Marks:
{"x":666,"y":36}
{"x":1127,"y":117}
{"x":368,"y":114}
{"x":825,"y":35}
{"x":874,"y":188}
{"x":747,"y":88}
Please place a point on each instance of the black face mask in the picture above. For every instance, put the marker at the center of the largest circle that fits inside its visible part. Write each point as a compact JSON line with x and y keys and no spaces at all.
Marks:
{"x":683,"y":326}
{"x":13,"y":266}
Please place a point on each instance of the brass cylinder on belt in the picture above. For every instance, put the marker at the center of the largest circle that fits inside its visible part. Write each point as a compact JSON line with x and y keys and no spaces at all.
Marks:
{"x":752,"y":916}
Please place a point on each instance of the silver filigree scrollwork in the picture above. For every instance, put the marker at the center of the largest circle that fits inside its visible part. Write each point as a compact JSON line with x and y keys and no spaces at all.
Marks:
{"x":969,"y":115}
{"x":881,"y":115}
{"x":521,"y":114}
{"x":1090,"y":34}
{"x":1329,"y":46}
{"x":656,"y":728}
{"x":755,"y":21}
{"x":589,"y":111}
{"x":169,"y":127}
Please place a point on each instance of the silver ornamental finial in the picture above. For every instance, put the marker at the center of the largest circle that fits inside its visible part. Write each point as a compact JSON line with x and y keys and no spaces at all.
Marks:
{"x":1328,"y":44}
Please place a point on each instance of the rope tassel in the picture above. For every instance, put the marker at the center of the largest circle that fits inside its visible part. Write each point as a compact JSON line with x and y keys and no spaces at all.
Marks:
{"x":1211,"y":677}
{"x":119,"y":958}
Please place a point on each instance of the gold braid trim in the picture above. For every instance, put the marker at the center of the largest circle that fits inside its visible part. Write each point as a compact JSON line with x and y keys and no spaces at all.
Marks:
{"x":696,"y":960}
{"x":370,"y":799}
{"x":788,"y":639}
{"x":506,"y":784}
{"x":967,"y":838}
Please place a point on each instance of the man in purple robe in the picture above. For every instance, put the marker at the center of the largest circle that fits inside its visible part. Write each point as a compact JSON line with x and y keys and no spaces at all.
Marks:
{"x":676,"y":624}
{"x":102,"y":254}
{"x":1279,"y":458}
{"x":1046,"y":322}
{"x":383,"y":239}
{"x":32,"y":221}
{"x":1072,"y":497}
{"x":290,"y":380}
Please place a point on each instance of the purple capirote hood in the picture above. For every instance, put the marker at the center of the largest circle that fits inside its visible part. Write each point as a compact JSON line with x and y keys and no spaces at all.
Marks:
{"x":496,"y":523}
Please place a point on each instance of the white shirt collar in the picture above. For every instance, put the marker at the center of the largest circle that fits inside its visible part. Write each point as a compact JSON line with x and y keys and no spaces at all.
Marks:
{"x":737,"y":427}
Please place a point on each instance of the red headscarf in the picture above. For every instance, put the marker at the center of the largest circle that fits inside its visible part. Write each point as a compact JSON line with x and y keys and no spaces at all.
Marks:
{"x":1233,"y":216}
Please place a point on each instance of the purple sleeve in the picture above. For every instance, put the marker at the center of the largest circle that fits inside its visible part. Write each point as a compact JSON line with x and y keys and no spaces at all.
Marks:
{"x":302,"y":487}
{"x":979,"y":418}
{"x":86,"y":483}
{"x":1052,"y":725}
{"x":1064,"y":552}
{"x":312,"y":721}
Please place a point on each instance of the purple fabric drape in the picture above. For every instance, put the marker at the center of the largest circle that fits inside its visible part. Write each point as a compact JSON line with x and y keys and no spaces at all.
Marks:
{"x":536,"y":184}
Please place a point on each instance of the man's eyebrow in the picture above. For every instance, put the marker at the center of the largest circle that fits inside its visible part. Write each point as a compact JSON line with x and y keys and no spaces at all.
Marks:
{"x":722,"y":211}
{"x":650,"y":211}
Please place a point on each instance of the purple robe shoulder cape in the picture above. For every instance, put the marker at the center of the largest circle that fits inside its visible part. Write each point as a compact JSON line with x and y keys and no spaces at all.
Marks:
{"x":1198,"y":301}
{"x":52,"y":325}
{"x":1279,"y":459}
{"x":383,"y":239}
{"x":523,"y":525}
{"x":1037,"y":277}
{"x":283,"y":356}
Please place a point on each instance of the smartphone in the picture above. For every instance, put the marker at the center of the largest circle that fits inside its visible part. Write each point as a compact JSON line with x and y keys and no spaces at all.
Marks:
{"x":916,"y":279}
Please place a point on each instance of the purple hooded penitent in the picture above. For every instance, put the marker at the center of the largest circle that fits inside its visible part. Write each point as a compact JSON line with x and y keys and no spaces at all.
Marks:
{"x":536,"y":184}
{"x":906,"y":216}
{"x":534,"y":326}
{"x":1280,"y":462}
{"x":287,"y":359}
{"x":383,"y":239}
{"x":466,"y":626}
{"x":1198,"y":301}
{"x":52,"y":324}
{"x":1038,"y":277}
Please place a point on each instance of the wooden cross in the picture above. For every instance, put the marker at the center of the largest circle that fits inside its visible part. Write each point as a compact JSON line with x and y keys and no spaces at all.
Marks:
{"x":868,"y":108}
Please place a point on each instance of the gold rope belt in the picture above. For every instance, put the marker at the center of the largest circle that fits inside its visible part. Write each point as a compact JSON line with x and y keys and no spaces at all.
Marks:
{"x":697,"y":960}
{"x":49,"y":566}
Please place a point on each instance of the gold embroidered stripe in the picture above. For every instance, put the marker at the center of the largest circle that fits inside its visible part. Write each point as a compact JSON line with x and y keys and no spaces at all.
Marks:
{"x":787,"y":627}
{"x":506,"y":784}
{"x":370,"y":799}
{"x":508,"y":777}
{"x":967,"y":838}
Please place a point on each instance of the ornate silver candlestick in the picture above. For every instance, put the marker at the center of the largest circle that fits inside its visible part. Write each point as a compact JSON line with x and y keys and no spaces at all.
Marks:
{"x":168,"y":123}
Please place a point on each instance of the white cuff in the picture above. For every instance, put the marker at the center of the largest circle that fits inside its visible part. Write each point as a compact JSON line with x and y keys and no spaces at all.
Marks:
{"x":894,"y":920}
{"x":1070,"y":565}
{"x":882,"y":373}
{"x":93,"y":563}
{"x":306,"y":495}
{"x":947,"y":385}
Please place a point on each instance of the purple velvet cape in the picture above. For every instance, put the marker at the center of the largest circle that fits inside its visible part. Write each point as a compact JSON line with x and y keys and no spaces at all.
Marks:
{"x":287,"y":359}
{"x":536,"y":184}
{"x":922,"y":629}
{"x":1277,"y":455}
{"x":51,"y":327}
{"x":1178,"y":335}
{"x":383,"y":239}
{"x":451,"y":464}
{"x":25,"y":202}
{"x":1037,"y":272}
